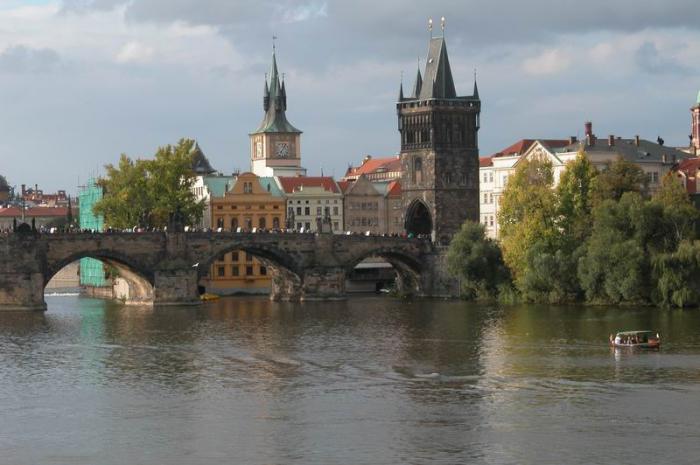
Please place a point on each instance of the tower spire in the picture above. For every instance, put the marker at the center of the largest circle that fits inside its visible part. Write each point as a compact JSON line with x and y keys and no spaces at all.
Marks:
{"x":476,"y":89}
{"x":418,"y":84}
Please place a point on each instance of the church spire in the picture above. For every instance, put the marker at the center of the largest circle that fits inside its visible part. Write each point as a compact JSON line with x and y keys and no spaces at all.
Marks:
{"x":401,"y":91}
{"x":275,"y":102}
{"x":476,"y":89}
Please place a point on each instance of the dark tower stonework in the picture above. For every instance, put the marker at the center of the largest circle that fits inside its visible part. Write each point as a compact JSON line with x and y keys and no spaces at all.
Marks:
{"x":439,"y":150}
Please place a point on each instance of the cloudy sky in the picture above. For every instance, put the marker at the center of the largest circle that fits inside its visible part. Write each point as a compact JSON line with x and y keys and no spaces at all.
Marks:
{"x":82,"y":81}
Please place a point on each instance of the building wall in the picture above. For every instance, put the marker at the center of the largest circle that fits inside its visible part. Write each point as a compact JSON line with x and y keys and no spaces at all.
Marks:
{"x":247,"y":206}
{"x":365,"y":208}
{"x":309,"y":205}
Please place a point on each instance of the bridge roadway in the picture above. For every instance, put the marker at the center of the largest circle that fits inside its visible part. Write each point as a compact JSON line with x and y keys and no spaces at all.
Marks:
{"x":165,"y":268}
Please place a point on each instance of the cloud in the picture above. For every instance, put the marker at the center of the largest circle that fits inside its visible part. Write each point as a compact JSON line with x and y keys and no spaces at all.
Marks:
{"x":305,"y":12}
{"x":649,"y":59}
{"x":23,"y":59}
{"x":135,"y":52}
{"x":549,"y":62}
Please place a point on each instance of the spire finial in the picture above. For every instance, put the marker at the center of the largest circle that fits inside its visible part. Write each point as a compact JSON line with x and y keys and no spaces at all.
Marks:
{"x":442,"y":25}
{"x":430,"y":27}
{"x":274,"y":45}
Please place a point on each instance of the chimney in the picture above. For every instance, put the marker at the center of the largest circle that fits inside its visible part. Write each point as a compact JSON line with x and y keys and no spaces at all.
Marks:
{"x":572,"y":140}
{"x":36,"y":188}
{"x":636,"y":140}
{"x":24,"y":189}
{"x":611,"y":140}
{"x":588,"y":128}
{"x":366,"y":159}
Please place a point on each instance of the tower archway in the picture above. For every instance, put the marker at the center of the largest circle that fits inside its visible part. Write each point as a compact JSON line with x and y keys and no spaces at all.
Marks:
{"x":418,"y":219}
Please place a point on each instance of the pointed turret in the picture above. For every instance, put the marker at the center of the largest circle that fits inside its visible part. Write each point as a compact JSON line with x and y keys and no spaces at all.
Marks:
{"x":438,"y":74}
{"x":401,"y":92}
{"x":417,"y":85}
{"x":275,"y":104}
{"x":476,"y":90}
{"x":266,"y":96}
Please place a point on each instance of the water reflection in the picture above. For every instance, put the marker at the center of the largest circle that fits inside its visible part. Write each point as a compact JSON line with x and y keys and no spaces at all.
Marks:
{"x":364,"y":381}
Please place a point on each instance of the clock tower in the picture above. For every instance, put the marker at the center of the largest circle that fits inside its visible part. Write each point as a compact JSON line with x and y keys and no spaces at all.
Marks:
{"x":275,"y":147}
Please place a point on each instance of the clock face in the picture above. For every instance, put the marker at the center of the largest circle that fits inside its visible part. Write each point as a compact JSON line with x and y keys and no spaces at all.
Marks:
{"x":282,"y":149}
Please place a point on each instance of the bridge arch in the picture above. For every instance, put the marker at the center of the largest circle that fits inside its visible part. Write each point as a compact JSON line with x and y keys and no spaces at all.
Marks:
{"x":285,"y":270}
{"x":407,"y":266}
{"x":133,"y":281}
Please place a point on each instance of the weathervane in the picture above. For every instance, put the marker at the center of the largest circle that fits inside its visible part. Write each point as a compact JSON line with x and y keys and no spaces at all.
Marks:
{"x":442,"y":25}
{"x":430,"y":27}
{"x":274,"y":38}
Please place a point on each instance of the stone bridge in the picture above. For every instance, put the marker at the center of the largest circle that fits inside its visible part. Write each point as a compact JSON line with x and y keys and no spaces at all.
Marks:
{"x":165,"y":268}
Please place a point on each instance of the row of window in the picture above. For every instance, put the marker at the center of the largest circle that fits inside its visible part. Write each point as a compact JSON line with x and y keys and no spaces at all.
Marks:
{"x":248,"y":223}
{"x":364,"y":222}
{"x":319,"y":211}
{"x":488,"y":221}
{"x":291,"y":202}
{"x":488,"y":176}
{"x":488,"y":197}
{"x":364,"y":205}
{"x":235,"y":270}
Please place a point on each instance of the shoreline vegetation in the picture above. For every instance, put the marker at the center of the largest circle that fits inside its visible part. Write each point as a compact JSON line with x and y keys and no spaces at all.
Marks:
{"x":597,"y":238}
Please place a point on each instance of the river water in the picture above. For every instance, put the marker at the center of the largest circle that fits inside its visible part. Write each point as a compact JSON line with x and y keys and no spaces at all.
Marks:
{"x":367,"y":381}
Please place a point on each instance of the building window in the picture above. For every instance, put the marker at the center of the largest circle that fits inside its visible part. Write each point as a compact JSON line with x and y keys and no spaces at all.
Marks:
{"x":299,"y":211}
{"x":335,"y":210}
{"x":235,"y":271}
{"x":263,"y":271}
{"x":221,"y":271}
{"x":234,"y":224}
{"x":234,"y":256}
{"x":327,"y":211}
{"x":307,"y":211}
{"x":290,"y":211}
{"x":275,"y":222}
{"x":299,"y":226}
{"x":307,"y":226}
{"x":485,"y":176}
{"x":490,"y":176}
{"x":491,"y":221}
{"x":247,"y":187}
{"x":486,"y":198}
{"x":418,"y":170}
{"x":318,"y":211}
{"x":262,"y":224}
{"x":249,"y":270}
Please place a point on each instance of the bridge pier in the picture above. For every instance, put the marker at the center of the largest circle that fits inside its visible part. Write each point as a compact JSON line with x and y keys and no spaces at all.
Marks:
{"x":178,"y":286}
{"x":323,"y":283}
{"x":285,"y":286}
{"x":22,"y":291}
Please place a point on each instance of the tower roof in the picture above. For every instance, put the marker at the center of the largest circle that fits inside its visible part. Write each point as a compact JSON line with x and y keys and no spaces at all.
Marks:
{"x":200,"y":163}
{"x":275,"y":119}
{"x":437,"y":82}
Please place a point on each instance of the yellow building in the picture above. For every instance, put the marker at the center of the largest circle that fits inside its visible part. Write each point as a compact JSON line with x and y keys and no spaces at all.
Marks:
{"x":253,"y":204}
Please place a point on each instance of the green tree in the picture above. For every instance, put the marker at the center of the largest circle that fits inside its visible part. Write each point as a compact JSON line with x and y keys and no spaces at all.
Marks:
{"x":550,"y":275}
{"x":151,"y":193}
{"x":574,"y":197}
{"x":528,"y":213}
{"x":677,"y":276}
{"x":477,"y":261}
{"x":127,"y":200}
{"x":617,"y":178}
{"x":615,"y":266}
{"x":679,"y":212}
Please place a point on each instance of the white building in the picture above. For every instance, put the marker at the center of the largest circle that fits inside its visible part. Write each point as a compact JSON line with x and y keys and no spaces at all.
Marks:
{"x":312,"y":199}
{"x":654,"y":158}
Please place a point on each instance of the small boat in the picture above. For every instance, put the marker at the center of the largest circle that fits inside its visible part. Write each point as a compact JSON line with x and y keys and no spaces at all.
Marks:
{"x":638,"y":339}
{"x":209,"y":297}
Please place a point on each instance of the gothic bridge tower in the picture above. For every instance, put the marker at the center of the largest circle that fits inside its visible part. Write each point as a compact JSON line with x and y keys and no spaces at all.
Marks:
{"x":439,"y":150}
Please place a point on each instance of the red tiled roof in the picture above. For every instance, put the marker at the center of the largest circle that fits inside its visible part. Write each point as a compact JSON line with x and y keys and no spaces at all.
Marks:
{"x":690,"y":167}
{"x":372,"y":165}
{"x":344,"y":185}
{"x":38,"y":212}
{"x":292,"y":184}
{"x":394,"y":188}
{"x":485,"y":161}
{"x":522,"y":145}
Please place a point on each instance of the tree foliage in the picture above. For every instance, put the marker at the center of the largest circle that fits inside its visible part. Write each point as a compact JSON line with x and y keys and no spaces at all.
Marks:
{"x":677,"y":276}
{"x":528,"y":212}
{"x":476,"y":260}
{"x":150,"y":193}
{"x":617,"y":178}
{"x":575,"y":198}
{"x":679,"y":212}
